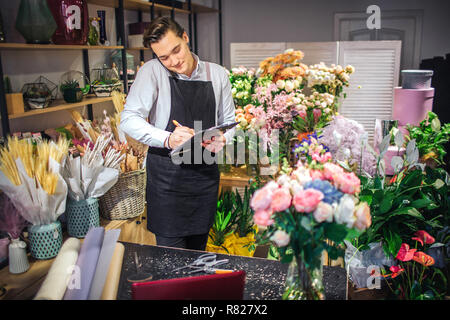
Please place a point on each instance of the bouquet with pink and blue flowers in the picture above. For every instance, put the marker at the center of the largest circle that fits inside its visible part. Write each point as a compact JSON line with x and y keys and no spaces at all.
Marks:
{"x":304,"y":209}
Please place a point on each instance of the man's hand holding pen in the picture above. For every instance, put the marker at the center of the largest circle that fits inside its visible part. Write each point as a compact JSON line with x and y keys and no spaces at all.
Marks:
{"x":180,"y":135}
{"x":213,"y":142}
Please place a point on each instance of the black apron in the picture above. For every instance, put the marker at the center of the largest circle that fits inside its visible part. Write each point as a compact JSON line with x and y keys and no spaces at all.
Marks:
{"x":182,"y":199}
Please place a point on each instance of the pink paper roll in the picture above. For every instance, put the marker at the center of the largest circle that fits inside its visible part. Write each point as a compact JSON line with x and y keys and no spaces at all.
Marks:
{"x":411,"y":106}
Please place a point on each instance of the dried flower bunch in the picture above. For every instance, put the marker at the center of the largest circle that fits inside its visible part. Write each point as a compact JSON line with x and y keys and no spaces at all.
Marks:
{"x":133,"y":151}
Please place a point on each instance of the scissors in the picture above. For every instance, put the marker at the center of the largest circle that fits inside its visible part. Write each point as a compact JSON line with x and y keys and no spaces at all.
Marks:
{"x":206,"y":263}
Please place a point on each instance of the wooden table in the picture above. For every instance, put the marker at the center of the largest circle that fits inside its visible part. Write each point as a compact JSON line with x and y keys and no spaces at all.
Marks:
{"x":25,"y":286}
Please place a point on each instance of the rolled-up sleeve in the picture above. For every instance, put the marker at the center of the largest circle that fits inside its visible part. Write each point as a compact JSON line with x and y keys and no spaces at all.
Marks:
{"x":141,"y":99}
{"x":227,"y":112}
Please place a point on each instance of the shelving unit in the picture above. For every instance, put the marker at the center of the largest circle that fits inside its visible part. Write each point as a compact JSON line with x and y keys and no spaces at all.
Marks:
{"x":59,"y":105}
{"x":25,"y":46}
{"x":155,"y":9}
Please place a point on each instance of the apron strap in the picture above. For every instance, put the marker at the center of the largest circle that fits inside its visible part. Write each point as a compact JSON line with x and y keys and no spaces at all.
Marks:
{"x":208,"y":71}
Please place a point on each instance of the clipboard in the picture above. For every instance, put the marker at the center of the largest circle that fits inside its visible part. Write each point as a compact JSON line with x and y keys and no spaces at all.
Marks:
{"x":186,"y":146}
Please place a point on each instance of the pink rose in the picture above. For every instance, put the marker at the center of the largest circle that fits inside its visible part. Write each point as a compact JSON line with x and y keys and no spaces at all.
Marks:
{"x":281,"y":238}
{"x":263,"y":218}
{"x":281,"y":200}
{"x":261,"y":199}
{"x":363,"y":218}
{"x":331,"y":170}
{"x":307,"y":200}
{"x":316,"y":174}
{"x":323,"y":212}
{"x":348,"y":183}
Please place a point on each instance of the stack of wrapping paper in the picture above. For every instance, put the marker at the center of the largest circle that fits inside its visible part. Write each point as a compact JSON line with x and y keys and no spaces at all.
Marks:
{"x":90,"y":271}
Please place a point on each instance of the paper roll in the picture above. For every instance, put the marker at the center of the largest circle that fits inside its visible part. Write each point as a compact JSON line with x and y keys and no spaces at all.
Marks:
{"x":112,"y":279}
{"x":81,"y":279}
{"x":55,"y":283}
{"x":104,"y":260}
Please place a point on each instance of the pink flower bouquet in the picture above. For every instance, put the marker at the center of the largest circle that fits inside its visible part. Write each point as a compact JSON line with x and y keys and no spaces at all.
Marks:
{"x":308,"y":205}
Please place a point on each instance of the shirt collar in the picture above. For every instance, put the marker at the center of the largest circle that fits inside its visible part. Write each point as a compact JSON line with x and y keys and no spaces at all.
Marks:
{"x":196,"y":71}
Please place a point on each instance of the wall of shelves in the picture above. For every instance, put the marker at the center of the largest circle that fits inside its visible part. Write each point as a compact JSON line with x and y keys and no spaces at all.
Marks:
{"x":24,"y":63}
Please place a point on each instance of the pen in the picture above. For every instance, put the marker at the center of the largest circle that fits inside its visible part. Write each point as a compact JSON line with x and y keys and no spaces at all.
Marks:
{"x":175,"y":122}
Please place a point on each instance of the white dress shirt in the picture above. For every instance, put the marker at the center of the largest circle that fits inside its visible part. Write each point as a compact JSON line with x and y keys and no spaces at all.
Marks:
{"x":149,"y":98}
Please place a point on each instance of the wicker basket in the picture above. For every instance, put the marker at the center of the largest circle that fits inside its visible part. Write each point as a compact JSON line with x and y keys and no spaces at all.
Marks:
{"x":126,"y":199}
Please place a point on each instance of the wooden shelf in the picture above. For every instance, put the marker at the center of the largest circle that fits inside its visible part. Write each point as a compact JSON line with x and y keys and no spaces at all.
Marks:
{"x":12,"y":46}
{"x":59,"y":105}
{"x":138,"y":48}
{"x":197,"y":8}
{"x":142,"y":5}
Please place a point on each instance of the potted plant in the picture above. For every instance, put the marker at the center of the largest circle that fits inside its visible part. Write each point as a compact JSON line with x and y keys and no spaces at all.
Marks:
{"x":415,"y":199}
{"x":431,"y":138}
{"x":71,"y":91}
{"x":36,"y":95}
{"x":105,"y":80}
{"x":223,"y":224}
{"x":74,"y":85}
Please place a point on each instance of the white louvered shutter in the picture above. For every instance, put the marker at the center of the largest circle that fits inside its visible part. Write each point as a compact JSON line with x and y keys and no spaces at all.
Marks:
{"x":315,"y":52}
{"x":250,"y":54}
{"x":377,"y":65}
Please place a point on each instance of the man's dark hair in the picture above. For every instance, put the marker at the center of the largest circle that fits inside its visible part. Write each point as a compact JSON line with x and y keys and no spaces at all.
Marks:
{"x":159,"y":27}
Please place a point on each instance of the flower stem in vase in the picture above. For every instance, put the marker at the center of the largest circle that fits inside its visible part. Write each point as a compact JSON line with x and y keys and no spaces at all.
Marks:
{"x":303,"y":283}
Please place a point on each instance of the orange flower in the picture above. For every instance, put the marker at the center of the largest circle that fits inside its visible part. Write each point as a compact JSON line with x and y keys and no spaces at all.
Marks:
{"x":423,"y":259}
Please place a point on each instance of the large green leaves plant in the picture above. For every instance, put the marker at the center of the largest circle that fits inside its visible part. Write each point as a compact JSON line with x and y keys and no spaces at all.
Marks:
{"x":431,"y":138}
{"x":224,"y":219}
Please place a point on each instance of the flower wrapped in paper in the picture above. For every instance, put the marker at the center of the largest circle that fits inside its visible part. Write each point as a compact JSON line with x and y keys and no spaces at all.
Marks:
{"x":31,"y":177}
{"x":93,"y":173}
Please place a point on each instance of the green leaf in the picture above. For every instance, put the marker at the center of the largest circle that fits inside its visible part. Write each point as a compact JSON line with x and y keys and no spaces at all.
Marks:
{"x":421,"y":203}
{"x":305,"y":222}
{"x":394,"y":241}
{"x":386,"y":204}
{"x":335,"y":232}
{"x":408,"y":211}
{"x":366,"y":198}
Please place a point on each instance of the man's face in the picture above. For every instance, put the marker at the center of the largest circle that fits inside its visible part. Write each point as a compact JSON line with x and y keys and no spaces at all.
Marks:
{"x":174,"y":53}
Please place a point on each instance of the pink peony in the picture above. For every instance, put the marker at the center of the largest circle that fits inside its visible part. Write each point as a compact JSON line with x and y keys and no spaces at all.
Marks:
{"x":307,"y":200}
{"x":348,"y":183}
{"x":363,"y":218}
{"x":323,"y":212}
{"x":331,"y":170}
{"x":262,"y":199}
{"x":281,"y":200}
{"x":263,"y":218}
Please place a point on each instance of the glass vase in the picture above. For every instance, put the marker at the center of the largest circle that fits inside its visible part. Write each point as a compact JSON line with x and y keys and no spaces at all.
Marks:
{"x":35,"y":21}
{"x":303,"y":283}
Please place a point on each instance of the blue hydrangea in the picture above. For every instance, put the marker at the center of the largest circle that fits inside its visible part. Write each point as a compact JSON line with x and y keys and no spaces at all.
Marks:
{"x":331,"y":194}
